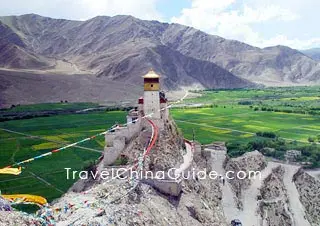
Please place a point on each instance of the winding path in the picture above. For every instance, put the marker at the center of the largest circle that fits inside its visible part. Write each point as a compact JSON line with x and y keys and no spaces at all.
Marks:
{"x":187,"y":159}
{"x":296,"y":208}
{"x":228,"y":199}
{"x":249,"y":216}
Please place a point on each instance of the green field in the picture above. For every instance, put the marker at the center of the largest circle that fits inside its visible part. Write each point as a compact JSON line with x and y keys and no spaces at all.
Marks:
{"x":235,"y":116}
{"x":59,"y":128}
{"x":241,"y":123}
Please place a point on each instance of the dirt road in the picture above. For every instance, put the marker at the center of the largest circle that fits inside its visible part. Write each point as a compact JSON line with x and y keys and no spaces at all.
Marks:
{"x":249,"y":216}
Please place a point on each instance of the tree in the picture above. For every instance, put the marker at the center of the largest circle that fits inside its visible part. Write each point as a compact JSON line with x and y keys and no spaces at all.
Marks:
{"x":311,"y":139}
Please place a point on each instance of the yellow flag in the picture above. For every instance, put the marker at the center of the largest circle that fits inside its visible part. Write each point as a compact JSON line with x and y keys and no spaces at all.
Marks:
{"x":14,"y":171}
{"x":26,"y":198}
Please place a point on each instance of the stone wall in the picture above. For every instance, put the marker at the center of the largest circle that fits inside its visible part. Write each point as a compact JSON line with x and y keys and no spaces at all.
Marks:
{"x":151,"y":103}
{"x":166,"y":186}
{"x":112,"y":153}
{"x":116,"y":141}
{"x":164,"y":113}
{"x":171,"y":186}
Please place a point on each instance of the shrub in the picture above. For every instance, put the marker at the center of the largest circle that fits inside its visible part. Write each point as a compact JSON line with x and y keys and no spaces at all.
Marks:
{"x":266,"y":134}
{"x":311,"y":139}
{"x":245,"y":102}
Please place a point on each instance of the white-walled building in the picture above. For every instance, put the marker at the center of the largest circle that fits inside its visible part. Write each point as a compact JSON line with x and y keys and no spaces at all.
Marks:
{"x":151,"y":96}
{"x":154,"y":102}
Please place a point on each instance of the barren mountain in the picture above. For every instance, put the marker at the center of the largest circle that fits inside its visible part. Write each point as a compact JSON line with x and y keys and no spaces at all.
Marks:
{"x":13,"y":52}
{"x":272,"y":66}
{"x":313,"y":53}
{"x":50,"y":87}
{"x":120,"y":48}
{"x":123,"y":47}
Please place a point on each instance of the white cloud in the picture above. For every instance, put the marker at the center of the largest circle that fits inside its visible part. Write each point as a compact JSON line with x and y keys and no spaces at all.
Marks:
{"x":269,"y":12}
{"x":294,"y":43}
{"x":213,"y":5}
{"x":143,"y":9}
{"x":219,"y":18}
{"x":82,"y":9}
{"x":243,"y":20}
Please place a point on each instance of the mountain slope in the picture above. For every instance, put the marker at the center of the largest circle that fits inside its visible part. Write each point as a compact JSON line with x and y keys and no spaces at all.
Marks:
{"x":121,"y":48}
{"x":312,"y":53}
{"x":278,"y":64}
{"x":13,"y":53}
{"x":124,"y":47}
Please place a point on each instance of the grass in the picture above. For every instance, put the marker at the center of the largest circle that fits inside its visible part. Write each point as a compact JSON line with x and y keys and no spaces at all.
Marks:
{"x":60,"y":128}
{"x":228,"y":119}
{"x":292,"y":114}
{"x":228,"y":124}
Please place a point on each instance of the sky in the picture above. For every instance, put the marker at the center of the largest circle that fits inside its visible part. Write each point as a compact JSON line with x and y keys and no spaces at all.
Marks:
{"x":261,"y":23}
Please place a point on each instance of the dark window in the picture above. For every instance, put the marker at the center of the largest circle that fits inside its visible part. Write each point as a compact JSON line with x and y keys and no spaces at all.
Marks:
{"x":149,"y":80}
{"x":151,"y":85}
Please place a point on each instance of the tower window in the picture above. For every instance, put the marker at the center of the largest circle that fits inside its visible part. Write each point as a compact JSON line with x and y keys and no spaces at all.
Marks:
{"x":151,"y":85}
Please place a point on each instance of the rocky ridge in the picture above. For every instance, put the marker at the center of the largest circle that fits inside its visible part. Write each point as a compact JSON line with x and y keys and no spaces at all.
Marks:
{"x":308,"y":188}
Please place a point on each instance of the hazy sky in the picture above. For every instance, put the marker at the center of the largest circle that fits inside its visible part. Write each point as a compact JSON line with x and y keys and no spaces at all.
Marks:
{"x":262,"y":23}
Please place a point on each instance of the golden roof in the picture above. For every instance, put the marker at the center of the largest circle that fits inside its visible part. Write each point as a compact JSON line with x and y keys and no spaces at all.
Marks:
{"x":151,"y":74}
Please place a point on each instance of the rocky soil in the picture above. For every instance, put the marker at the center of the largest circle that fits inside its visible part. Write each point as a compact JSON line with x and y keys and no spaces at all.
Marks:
{"x":309,"y":190}
{"x":283,"y":195}
{"x":273,"y":200}
{"x":127,"y":202}
{"x":167,"y":152}
{"x":251,"y":161}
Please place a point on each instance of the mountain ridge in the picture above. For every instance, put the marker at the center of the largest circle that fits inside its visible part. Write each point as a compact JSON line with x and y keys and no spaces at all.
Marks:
{"x":122,"y":48}
{"x":105,"y":44}
{"x":313,"y":53}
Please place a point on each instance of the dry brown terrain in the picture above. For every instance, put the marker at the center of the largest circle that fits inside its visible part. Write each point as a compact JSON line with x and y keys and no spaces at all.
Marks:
{"x":28,"y":88}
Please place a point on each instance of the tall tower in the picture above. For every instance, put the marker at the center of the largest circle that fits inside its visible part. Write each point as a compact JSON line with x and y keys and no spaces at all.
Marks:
{"x":151,"y":97}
